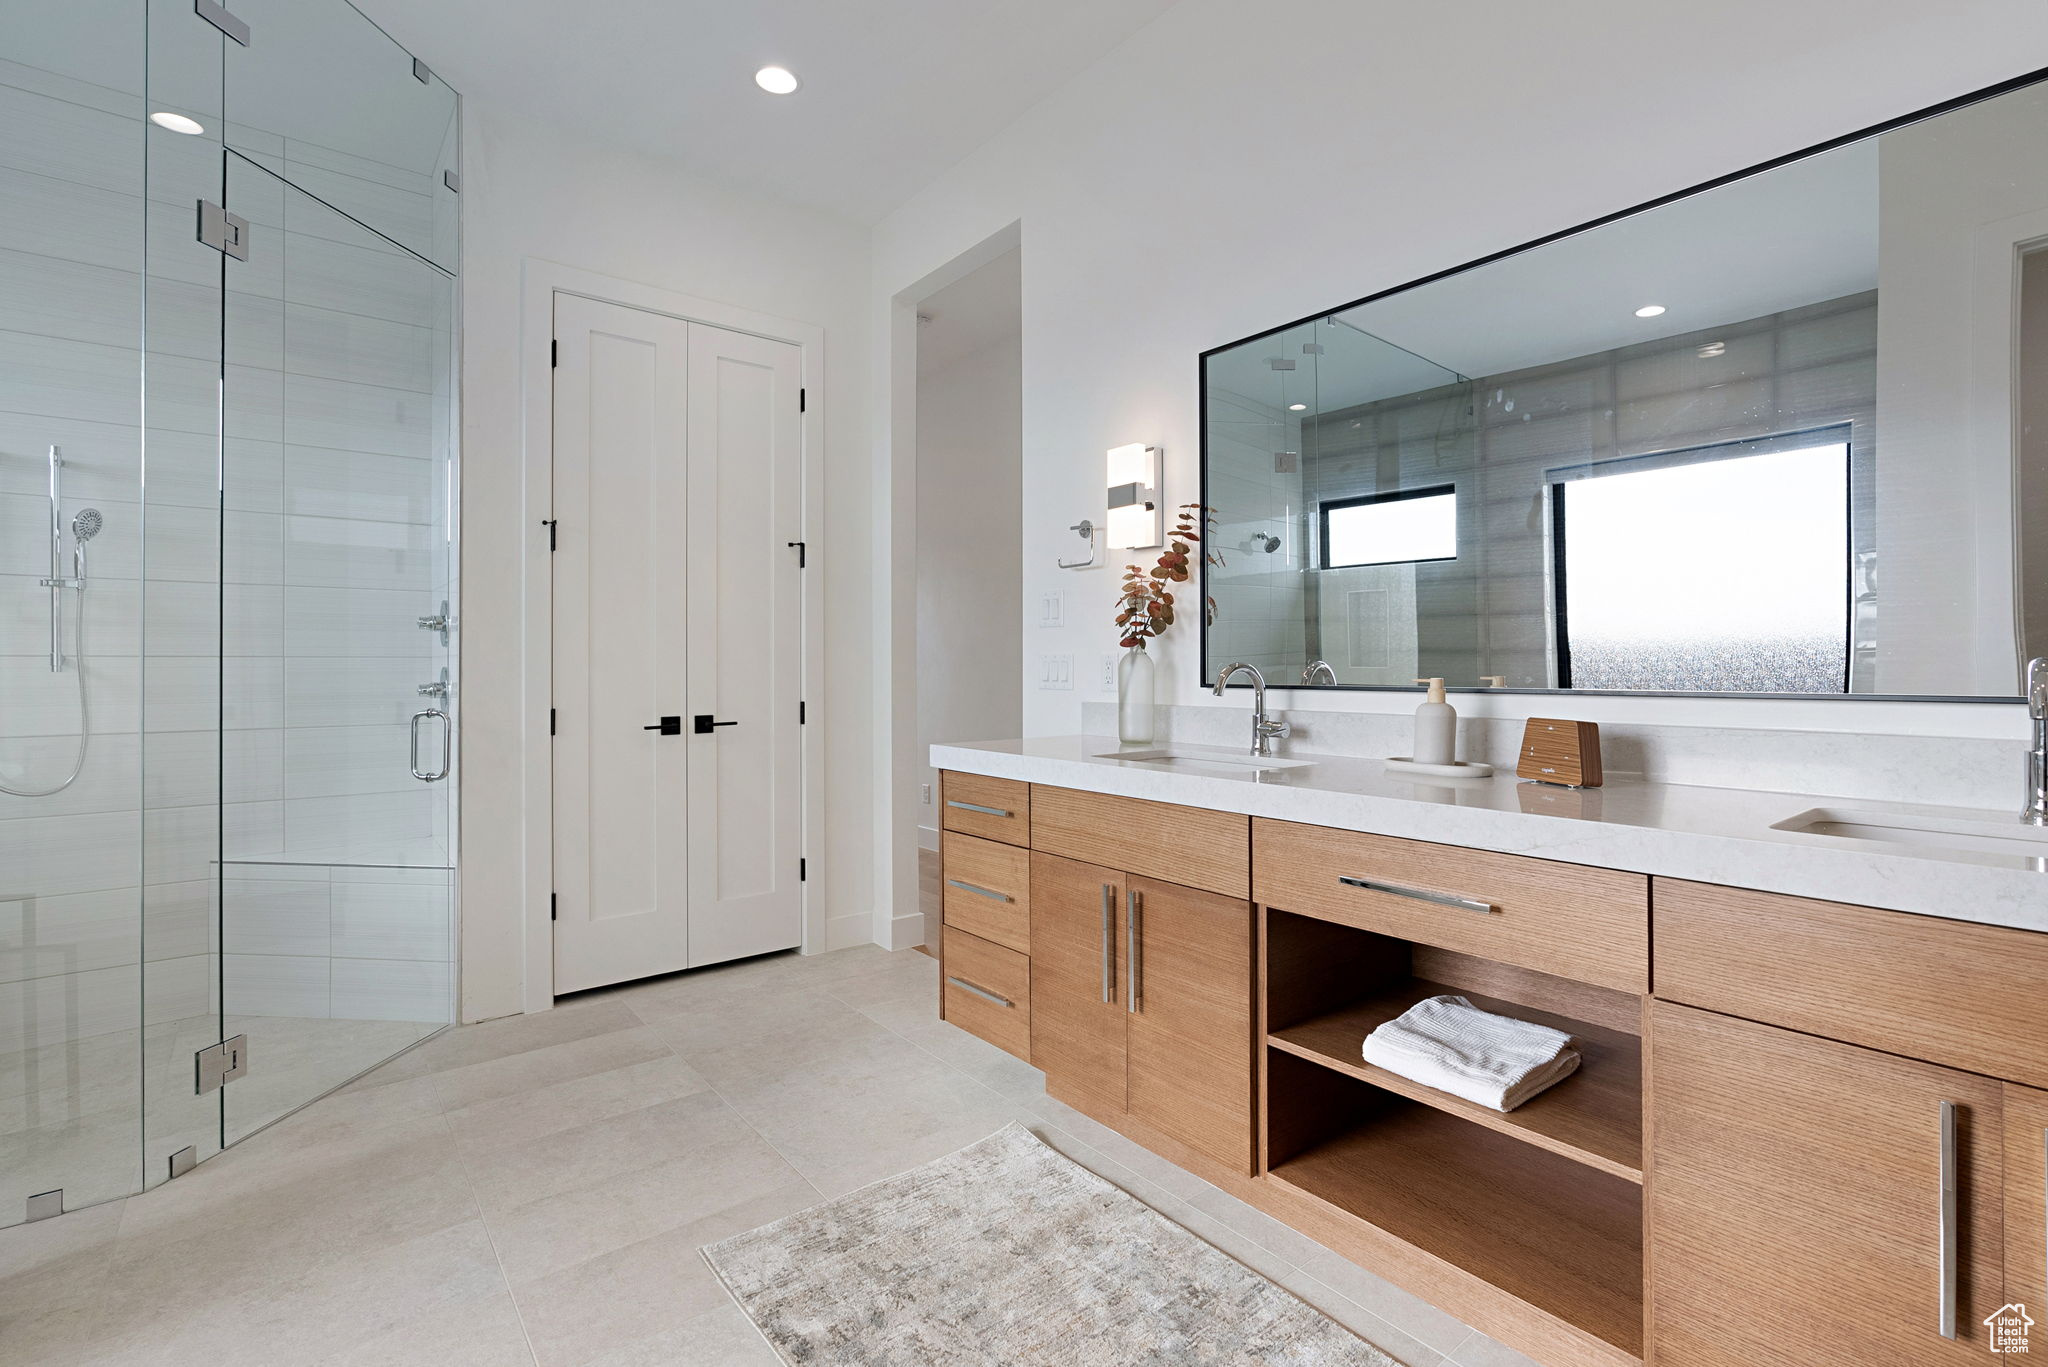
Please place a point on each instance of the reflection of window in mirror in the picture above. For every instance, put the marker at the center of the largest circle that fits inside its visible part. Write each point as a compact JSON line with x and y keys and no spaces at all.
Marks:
{"x":1399,"y":528}
{"x":1718,"y":569}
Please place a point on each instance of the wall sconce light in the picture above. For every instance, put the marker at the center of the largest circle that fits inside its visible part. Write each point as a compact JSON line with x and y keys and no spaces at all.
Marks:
{"x":1135,"y":519}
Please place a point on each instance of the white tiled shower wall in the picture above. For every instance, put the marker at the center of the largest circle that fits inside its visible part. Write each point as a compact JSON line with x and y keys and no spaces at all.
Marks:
{"x":335,"y":522}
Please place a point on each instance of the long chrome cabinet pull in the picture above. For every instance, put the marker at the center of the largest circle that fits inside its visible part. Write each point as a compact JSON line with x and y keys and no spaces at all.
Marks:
{"x":1134,"y":907}
{"x":1108,"y":943}
{"x":1442,"y":899}
{"x":977,"y":807}
{"x":1948,"y":1219}
{"x":981,"y":992}
{"x":989,"y":893}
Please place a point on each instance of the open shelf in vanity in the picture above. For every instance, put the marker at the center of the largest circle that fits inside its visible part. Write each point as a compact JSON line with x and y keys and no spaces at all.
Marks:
{"x":1544,"y":1202}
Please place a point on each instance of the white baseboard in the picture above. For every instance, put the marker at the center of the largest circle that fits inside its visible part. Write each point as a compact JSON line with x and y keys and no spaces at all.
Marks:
{"x":928,"y":838}
{"x":844,"y":932}
{"x":906,"y":932}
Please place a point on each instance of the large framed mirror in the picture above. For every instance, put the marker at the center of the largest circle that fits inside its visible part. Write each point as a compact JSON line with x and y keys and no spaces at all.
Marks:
{"x":1783,"y":435}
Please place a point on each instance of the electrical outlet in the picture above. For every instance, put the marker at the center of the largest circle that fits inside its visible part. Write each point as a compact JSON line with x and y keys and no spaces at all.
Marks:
{"x":927,"y":794}
{"x":1056,"y":671}
{"x":1052,"y":608}
{"x":1108,"y":683}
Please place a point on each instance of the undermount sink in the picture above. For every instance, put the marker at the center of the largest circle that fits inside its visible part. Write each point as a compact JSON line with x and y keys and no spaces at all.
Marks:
{"x":2016,"y":841}
{"x":1219,"y":763}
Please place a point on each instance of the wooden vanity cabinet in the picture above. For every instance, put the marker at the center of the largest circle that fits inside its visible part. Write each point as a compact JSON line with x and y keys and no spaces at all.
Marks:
{"x":1141,"y":988}
{"x":2026,"y":1201}
{"x":1077,"y":991}
{"x":1796,"y":1210}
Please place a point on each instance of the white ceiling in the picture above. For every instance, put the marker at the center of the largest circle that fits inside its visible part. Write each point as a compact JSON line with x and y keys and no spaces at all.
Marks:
{"x":894,"y":93}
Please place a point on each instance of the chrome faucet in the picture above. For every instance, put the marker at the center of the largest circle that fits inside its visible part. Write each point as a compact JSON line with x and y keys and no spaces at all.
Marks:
{"x":1318,"y":671}
{"x":2036,"y":810}
{"x":1264,"y":732}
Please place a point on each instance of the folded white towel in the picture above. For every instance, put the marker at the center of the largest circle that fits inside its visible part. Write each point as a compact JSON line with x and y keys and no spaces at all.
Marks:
{"x":1451,"y":1045}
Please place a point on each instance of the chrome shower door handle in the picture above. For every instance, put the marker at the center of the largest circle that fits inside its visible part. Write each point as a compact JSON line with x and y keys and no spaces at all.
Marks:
{"x":447,"y":745}
{"x":1948,"y":1220}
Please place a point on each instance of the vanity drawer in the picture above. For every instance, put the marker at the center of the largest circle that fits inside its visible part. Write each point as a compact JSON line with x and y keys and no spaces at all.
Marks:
{"x":988,"y":991}
{"x":987,"y":889}
{"x":1951,"y":992}
{"x":1569,"y":920}
{"x":992,"y":808}
{"x":1189,"y":846}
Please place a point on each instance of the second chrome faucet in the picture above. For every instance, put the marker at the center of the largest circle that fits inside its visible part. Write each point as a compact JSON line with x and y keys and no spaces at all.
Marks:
{"x":1264,"y":732}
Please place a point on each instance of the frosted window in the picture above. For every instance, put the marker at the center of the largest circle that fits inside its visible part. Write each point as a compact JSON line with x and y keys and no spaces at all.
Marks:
{"x":1724,"y":575}
{"x":1391,"y":529}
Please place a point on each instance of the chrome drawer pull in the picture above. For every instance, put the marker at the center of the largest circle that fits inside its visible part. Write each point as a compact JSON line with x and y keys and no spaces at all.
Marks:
{"x":1108,"y":944}
{"x":981,"y":992}
{"x":1134,"y":908}
{"x":1442,"y":899}
{"x":977,"y":807}
{"x":992,"y":895}
{"x":1948,"y":1219}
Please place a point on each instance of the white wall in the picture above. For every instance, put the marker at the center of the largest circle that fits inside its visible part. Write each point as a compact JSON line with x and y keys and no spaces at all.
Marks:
{"x":530,"y":194}
{"x":970,"y":672}
{"x":1229,"y":168}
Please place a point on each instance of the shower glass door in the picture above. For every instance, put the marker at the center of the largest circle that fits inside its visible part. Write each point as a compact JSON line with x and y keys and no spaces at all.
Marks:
{"x":337,"y":922}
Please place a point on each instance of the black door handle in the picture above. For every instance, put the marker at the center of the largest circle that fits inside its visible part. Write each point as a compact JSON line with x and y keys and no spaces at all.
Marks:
{"x":704,"y":725}
{"x":669,"y":726}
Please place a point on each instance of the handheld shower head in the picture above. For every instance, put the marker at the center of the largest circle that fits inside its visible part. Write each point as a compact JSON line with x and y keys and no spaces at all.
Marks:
{"x":86,"y":525}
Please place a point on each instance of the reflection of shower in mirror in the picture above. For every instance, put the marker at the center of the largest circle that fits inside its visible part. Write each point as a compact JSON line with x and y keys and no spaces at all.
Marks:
{"x":85,"y":525}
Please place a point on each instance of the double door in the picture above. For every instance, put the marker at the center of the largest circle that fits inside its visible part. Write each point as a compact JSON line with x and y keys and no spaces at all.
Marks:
{"x":1814,"y":1202}
{"x":1141,"y":1002}
{"x":678,"y":617}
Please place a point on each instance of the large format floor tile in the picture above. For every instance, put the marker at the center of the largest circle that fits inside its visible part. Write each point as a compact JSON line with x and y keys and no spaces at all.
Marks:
{"x":533,"y":1192}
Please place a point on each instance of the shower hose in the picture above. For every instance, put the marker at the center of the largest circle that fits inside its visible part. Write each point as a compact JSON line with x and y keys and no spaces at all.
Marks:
{"x":84,"y":716}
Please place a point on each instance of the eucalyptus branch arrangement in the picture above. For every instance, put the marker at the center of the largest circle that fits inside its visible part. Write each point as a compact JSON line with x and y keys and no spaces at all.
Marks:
{"x":1144,"y":605}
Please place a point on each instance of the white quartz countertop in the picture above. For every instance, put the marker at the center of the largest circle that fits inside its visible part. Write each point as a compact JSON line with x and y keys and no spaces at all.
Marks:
{"x":1710,"y":835}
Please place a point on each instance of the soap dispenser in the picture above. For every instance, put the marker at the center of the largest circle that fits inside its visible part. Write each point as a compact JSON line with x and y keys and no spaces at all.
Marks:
{"x":1436,"y":727}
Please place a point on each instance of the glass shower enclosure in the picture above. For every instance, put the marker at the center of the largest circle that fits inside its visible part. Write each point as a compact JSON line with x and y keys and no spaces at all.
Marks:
{"x":228,"y":585}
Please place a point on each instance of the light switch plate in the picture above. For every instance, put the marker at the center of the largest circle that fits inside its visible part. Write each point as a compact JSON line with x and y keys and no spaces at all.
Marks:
{"x":1056,"y":671}
{"x":1052,"y":608}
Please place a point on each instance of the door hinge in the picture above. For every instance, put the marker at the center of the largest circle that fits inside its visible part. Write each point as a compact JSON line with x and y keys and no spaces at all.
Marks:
{"x":452,"y":181}
{"x":223,"y":231}
{"x":800,"y":400}
{"x":554,"y":905}
{"x":551,"y":721}
{"x":549,"y":523}
{"x":219,"y":17}
{"x":421,"y":72}
{"x":803,"y":870}
{"x":219,"y":1064}
{"x":800,"y":712}
{"x":554,"y":352}
{"x":802,"y":553}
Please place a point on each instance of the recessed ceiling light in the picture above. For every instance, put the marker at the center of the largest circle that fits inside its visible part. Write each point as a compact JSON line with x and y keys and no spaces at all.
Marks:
{"x":177,"y":123}
{"x":776,"y":80}
{"x":1296,"y":407}
{"x":1649,"y":310}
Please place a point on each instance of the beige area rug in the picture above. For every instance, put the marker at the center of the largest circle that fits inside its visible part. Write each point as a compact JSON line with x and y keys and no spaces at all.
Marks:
{"x":1010,"y":1253}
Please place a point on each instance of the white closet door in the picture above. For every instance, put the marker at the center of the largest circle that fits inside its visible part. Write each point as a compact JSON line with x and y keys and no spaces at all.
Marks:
{"x":620,"y":504}
{"x":678,"y":490}
{"x":746,"y":645}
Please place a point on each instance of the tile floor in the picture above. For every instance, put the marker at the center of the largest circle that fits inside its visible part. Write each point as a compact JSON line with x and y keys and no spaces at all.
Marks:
{"x":532,"y":1192}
